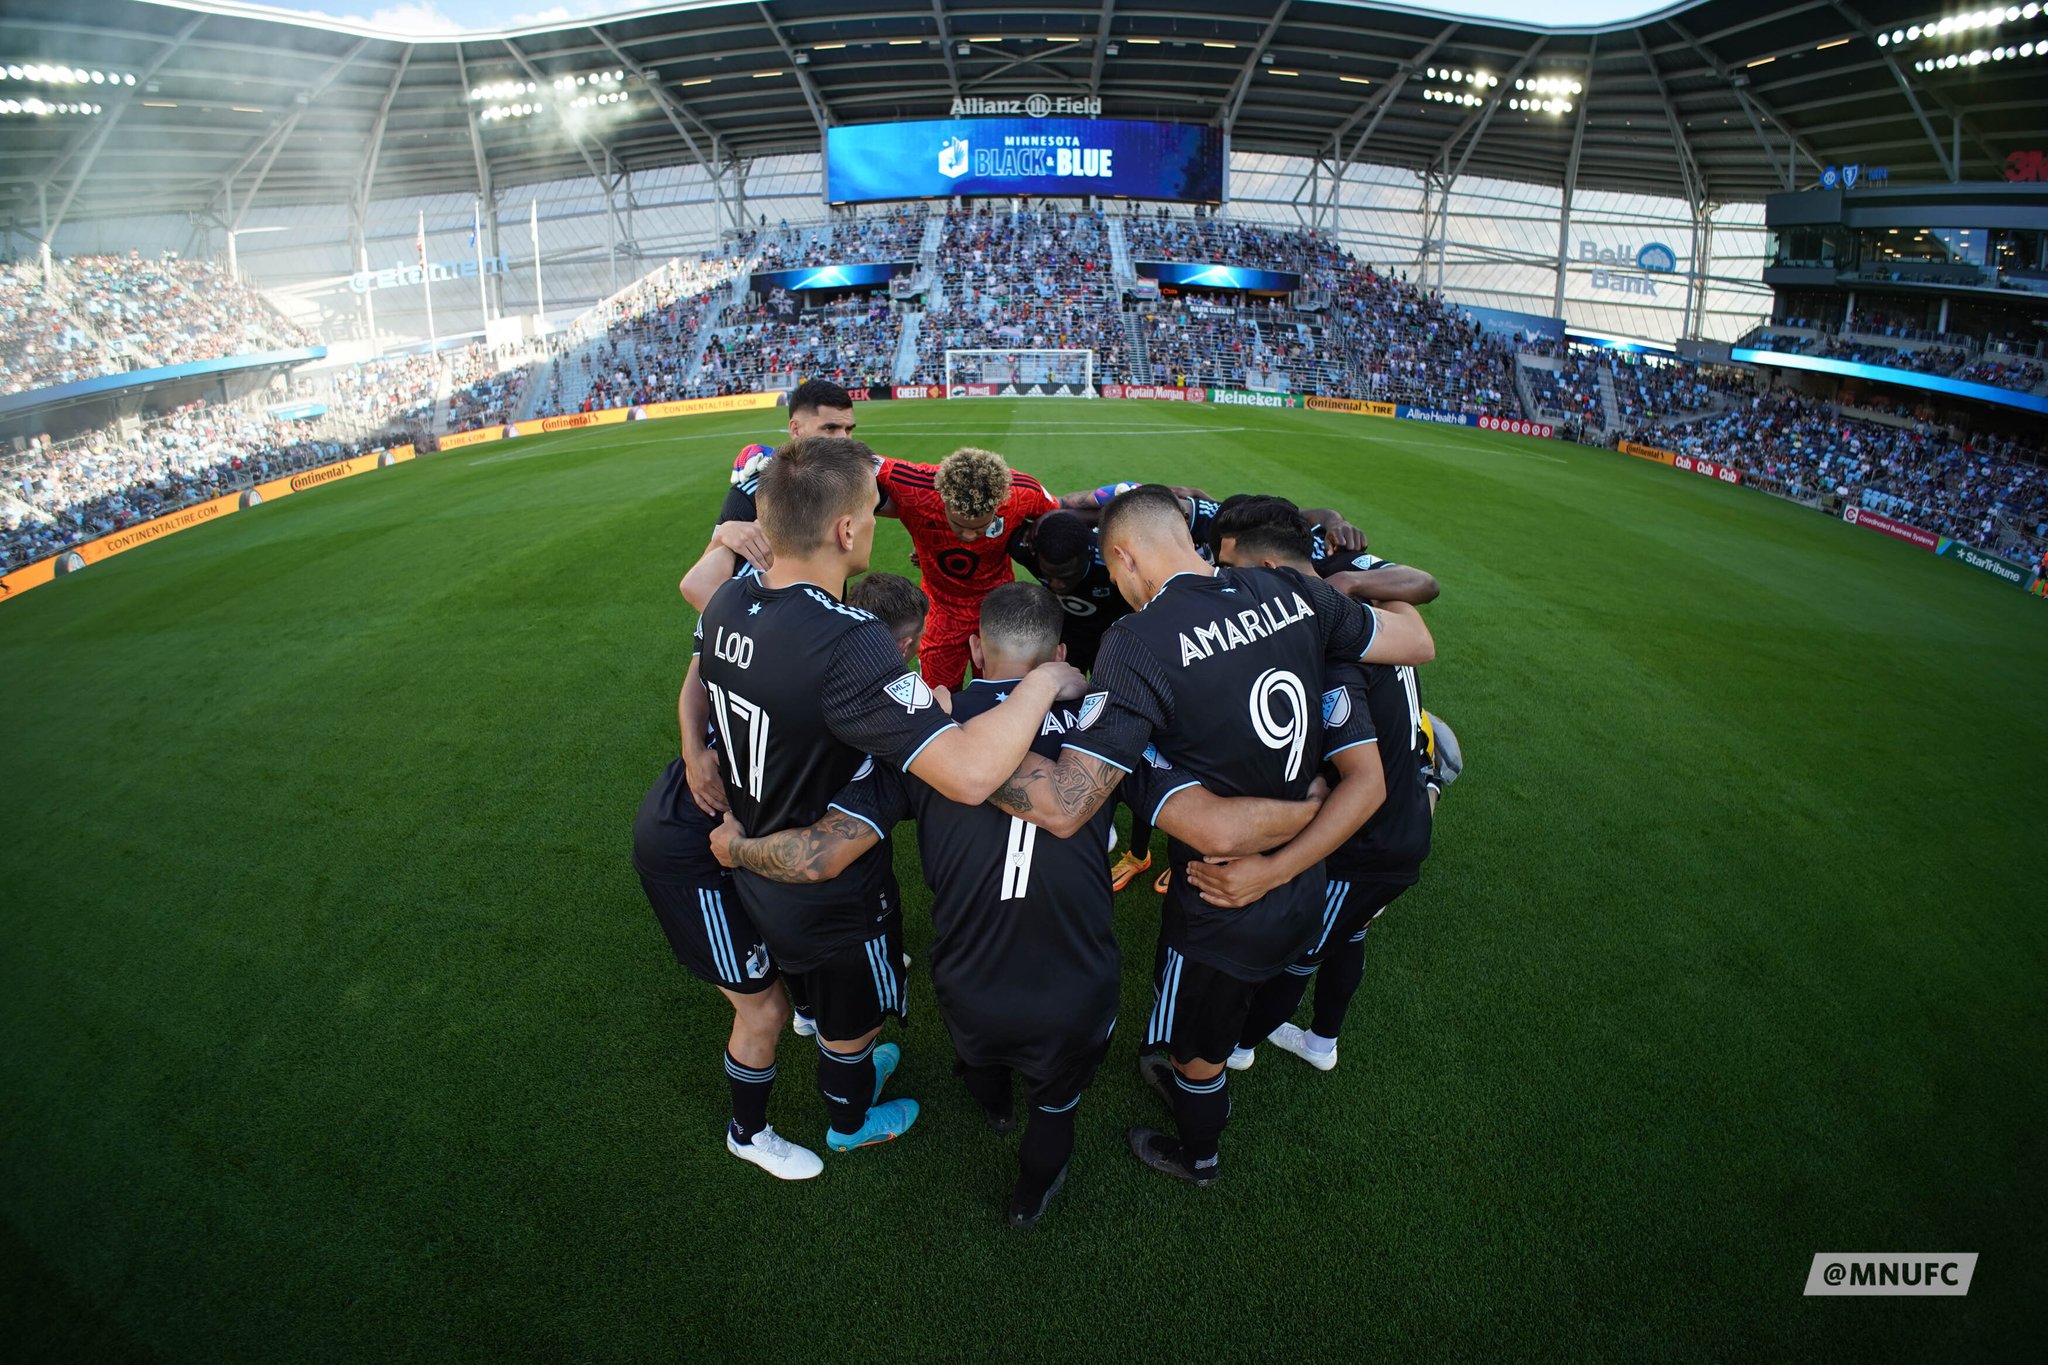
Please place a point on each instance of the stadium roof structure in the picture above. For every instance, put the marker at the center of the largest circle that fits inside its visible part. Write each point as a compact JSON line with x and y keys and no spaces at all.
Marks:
{"x":1711,"y":101}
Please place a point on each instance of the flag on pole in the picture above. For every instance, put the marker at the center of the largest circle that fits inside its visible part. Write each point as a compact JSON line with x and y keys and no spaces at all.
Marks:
{"x":476,"y":242}
{"x":419,"y":241}
{"x":475,"y":221}
{"x":540,"y":298}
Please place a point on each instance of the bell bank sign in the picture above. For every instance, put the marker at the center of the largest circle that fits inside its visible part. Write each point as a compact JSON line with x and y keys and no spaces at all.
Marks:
{"x":1629,"y":269}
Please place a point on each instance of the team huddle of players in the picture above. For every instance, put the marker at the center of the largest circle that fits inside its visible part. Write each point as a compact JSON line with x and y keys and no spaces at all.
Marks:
{"x":1249,"y":690}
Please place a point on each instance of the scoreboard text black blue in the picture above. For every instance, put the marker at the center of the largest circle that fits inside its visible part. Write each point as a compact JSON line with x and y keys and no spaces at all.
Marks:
{"x":937,"y":158}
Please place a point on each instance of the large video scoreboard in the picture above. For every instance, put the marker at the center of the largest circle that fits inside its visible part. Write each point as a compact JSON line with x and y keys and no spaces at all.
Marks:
{"x":938,"y":158}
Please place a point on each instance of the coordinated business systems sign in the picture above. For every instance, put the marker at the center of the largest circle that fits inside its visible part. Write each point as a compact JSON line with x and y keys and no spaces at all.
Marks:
{"x":937,"y":158}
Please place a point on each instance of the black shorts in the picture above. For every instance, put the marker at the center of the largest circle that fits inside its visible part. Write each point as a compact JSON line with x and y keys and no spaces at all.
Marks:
{"x":708,"y":929}
{"x":851,"y":992}
{"x":1348,"y":907}
{"x":672,"y":838}
{"x":1198,"y":1011}
{"x":711,"y":936}
{"x":1059,"y":1085}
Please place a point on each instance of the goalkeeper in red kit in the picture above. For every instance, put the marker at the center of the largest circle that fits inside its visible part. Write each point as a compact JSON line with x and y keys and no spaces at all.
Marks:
{"x":960,"y":514}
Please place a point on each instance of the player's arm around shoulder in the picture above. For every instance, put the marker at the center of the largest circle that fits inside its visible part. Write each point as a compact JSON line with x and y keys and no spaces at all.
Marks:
{"x":1392,"y":633}
{"x":1399,"y":636}
{"x":1059,"y":797}
{"x":967,"y":763}
{"x":816,"y":852}
{"x":1361,"y":789}
{"x":1387,"y":583}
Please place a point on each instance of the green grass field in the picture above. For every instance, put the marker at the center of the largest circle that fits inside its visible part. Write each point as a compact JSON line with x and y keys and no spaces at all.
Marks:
{"x":337,"y":1027}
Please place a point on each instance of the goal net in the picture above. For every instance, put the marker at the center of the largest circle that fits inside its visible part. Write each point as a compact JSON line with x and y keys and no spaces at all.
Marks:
{"x":1020,"y":374}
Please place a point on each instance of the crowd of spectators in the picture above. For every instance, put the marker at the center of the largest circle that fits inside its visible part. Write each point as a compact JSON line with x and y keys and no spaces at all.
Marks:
{"x":890,"y":235}
{"x":2004,"y":371}
{"x":54,"y":497}
{"x":109,"y":313}
{"x":1218,"y":241}
{"x":852,"y":343}
{"x":644,"y":338}
{"x":1991,"y":493}
{"x":174,"y":310}
{"x":1030,"y":278}
{"x":40,"y":343}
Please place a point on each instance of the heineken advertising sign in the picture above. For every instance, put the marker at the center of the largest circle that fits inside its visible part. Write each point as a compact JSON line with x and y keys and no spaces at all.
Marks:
{"x":1239,"y":398}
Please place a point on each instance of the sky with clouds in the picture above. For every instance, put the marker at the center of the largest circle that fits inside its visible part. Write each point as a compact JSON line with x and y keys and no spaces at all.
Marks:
{"x":433,"y":17}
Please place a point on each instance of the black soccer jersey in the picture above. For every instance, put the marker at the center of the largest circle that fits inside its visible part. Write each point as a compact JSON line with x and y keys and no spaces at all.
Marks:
{"x":1391,"y":845}
{"x":803,"y":688}
{"x":1024,"y":957}
{"x":1222,"y":673}
{"x":1091,"y":604}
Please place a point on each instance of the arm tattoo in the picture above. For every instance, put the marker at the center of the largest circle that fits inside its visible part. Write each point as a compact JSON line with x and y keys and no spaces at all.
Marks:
{"x":802,"y":855}
{"x":1076,"y":786}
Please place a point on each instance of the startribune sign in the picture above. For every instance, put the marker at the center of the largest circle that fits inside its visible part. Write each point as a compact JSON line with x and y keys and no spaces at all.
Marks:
{"x":1037,"y":106}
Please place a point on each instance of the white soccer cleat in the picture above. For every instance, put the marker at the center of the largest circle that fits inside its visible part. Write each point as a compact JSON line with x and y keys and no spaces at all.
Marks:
{"x":1293,"y":1038}
{"x":803,"y":1026}
{"x":776,"y":1155}
{"x":1241,"y":1059}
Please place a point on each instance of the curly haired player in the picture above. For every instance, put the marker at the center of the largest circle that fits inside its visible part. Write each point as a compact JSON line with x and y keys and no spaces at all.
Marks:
{"x":960,"y":513}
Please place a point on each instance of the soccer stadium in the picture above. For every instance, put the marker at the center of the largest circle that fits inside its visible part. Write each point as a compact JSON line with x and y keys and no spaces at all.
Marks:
{"x":737,"y":680}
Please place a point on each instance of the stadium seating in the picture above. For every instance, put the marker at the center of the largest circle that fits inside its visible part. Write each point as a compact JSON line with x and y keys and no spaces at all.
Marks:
{"x":1005,"y":277}
{"x":114,"y":313}
{"x":53,"y":497}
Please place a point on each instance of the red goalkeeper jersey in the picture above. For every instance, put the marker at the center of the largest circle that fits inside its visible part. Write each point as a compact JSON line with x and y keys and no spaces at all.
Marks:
{"x":958,"y":573}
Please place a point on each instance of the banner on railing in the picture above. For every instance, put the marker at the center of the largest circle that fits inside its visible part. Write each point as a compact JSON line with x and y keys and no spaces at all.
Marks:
{"x":1890,"y":526}
{"x":1243,"y":398}
{"x":185,"y":518}
{"x":1163,"y":393}
{"x":456,"y":440}
{"x":1983,"y":561}
{"x":1707,"y":469}
{"x":918,"y":391}
{"x":1436,"y":415}
{"x":1365,"y":406}
{"x":1651,"y":453}
{"x":1517,"y":426}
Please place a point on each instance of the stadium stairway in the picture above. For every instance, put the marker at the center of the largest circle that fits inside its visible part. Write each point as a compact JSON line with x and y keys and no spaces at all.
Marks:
{"x":1610,"y":424}
{"x":1120,"y":254}
{"x":1140,"y":354}
{"x":905,"y":369}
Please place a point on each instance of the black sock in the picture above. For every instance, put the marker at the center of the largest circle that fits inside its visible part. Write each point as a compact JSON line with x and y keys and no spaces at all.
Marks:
{"x":1048,"y":1142}
{"x":1336,"y":983}
{"x":1141,"y":836}
{"x":990,"y":1085}
{"x":1273,"y":1004}
{"x":1200,"y":1109}
{"x":847,"y":1081}
{"x":750,"y":1086}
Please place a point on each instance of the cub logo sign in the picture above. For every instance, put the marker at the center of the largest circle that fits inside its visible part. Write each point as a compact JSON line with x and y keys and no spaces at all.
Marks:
{"x":909,"y":692}
{"x":953,"y":158}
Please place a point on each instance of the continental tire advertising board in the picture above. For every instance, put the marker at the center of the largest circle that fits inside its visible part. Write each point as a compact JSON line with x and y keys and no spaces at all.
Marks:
{"x":185,"y":518}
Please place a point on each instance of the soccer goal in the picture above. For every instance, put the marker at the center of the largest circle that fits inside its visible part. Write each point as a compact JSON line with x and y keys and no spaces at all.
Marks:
{"x":1020,"y":373}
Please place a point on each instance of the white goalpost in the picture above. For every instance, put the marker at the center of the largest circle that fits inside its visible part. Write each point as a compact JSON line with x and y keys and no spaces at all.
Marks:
{"x":1020,"y":373}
